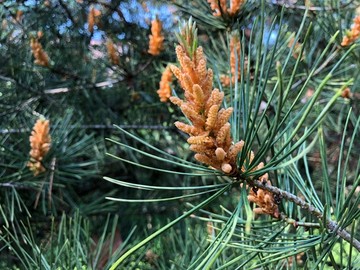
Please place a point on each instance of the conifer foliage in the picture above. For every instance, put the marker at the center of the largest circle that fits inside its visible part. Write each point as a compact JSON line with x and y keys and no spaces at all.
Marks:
{"x":235,"y":135}
{"x":68,"y":71}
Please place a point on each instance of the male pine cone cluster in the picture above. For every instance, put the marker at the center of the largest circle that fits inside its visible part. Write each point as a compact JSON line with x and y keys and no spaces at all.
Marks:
{"x":262,"y":198}
{"x":353,"y":34}
{"x":112,"y":52}
{"x":210,"y":130}
{"x":156,"y":39}
{"x":41,"y":57}
{"x":220,"y":7}
{"x":235,"y":50}
{"x":210,"y":135}
{"x":164,"y":91}
{"x":40,"y":141}
{"x":93,"y":18}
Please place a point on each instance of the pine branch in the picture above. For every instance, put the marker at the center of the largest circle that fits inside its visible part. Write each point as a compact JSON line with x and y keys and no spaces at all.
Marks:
{"x":150,"y":127}
{"x":97,"y":85}
{"x":297,"y":223}
{"x":51,"y":181}
{"x":8,"y":185}
{"x":313,"y":8}
{"x":331,"y":225}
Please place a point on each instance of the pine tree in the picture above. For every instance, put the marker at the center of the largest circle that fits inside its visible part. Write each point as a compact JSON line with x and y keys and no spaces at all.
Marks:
{"x":69,"y":70}
{"x":235,"y":135}
{"x":279,"y":98}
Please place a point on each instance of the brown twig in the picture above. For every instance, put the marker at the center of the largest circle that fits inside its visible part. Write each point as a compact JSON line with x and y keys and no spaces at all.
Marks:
{"x":331,"y":225}
{"x":51,"y":180}
{"x":296,"y":223}
{"x":38,"y":194}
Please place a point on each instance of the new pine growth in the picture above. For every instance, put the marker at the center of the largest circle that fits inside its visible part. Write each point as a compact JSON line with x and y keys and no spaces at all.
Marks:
{"x":210,"y":130}
{"x":156,"y":39}
{"x":40,"y":142}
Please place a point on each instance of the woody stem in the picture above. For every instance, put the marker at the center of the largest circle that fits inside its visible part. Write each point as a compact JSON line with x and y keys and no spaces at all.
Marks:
{"x":331,"y":225}
{"x":296,"y":223}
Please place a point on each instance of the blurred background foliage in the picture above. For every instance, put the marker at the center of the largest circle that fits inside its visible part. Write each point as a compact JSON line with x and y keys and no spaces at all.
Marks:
{"x":61,"y":219}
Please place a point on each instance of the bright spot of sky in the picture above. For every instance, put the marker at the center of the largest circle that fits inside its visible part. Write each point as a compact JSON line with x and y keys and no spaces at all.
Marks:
{"x":271,"y":36}
{"x":133,"y":12}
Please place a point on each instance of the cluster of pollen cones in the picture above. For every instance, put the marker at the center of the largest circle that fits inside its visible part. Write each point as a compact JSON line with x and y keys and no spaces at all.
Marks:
{"x":41,"y":57}
{"x":209,"y":128}
{"x":210,"y":135}
{"x":220,"y":7}
{"x":156,"y":39}
{"x":353,"y":34}
{"x":40,"y":141}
